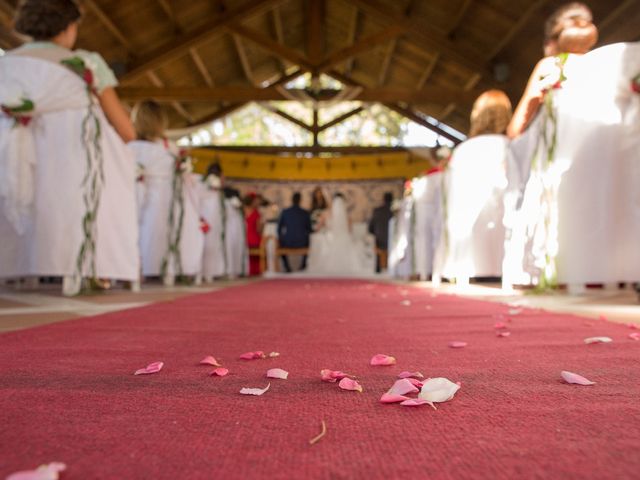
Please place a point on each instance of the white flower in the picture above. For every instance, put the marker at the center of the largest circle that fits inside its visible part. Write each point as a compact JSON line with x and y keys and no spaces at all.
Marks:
{"x":438,"y":390}
{"x":214,"y":181}
{"x":235,"y":202}
{"x":443,"y":153}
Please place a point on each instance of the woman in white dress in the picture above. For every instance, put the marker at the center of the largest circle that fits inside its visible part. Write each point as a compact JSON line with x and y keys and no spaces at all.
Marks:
{"x":67,"y":196}
{"x":170,"y":236}
{"x":334,"y":250}
{"x":402,"y":235}
{"x":212,"y":210}
{"x":237,"y":254}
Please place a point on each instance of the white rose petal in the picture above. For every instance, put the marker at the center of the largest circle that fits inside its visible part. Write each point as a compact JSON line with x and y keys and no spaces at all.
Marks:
{"x":438,"y":390}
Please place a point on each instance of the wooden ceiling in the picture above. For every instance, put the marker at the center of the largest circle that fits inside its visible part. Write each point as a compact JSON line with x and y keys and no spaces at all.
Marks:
{"x":207,"y":58}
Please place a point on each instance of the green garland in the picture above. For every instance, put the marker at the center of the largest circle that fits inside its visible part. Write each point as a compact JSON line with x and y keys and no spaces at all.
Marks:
{"x":175,"y":227}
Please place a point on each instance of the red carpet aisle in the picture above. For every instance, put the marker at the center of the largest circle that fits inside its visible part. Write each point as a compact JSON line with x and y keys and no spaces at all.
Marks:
{"x":68,"y":393}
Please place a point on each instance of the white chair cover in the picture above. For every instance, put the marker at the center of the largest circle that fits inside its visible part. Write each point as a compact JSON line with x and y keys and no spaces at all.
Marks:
{"x":42,"y":179}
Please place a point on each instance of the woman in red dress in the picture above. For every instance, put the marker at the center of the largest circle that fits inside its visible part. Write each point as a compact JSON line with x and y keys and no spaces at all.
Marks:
{"x":254,"y":230}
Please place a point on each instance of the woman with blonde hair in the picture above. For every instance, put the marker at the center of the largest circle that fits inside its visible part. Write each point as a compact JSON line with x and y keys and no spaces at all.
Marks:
{"x":472,"y":243}
{"x":171,"y":241}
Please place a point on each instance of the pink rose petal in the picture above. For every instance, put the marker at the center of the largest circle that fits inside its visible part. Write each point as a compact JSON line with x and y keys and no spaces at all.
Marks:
{"x":389,"y":398}
{"x":277,"y":373}
{"x":151,"y":368}
{"x":602,"y":317}
{"x":500,"y":325}
{"x":255,"y":391}
{"x":219,"y":372}
{"x":382,"y":360}
{"x":274,"y":355}
{"x":416,"y":402}
{"x":570,"y":377}
{"x":49,"y":471}
{"x":633,"y":326}
{"x":634,"y":336}
{"x":332,"y":375}
{"x":503,"y":334}
{"x":410,"y":374}
{"x":402,"y":387}
{"x":597,"y":340}
{"x":252,"y":355}
{"x":415,"y":382}
{"x":457,"y":344}
{"x":349,"y":384}
{"x":209,"y":360}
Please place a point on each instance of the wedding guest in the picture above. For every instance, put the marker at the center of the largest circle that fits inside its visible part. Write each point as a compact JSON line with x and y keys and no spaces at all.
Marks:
{"x":171,"y":239}
{"x":235,"y":236}
{"x":253,"y":229}
{"x":379,"y":225}
{"x":212,"y":210}
{"x":72,"y":107}
{"x":318,"y":207}
{"x":294,"y":228}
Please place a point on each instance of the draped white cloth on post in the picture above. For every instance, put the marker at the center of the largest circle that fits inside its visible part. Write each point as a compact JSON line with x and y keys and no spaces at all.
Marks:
{"x":401,"y":240}
{"x":212,"y":210}
{"x":426,"y":192}
{"x":44,"y":180}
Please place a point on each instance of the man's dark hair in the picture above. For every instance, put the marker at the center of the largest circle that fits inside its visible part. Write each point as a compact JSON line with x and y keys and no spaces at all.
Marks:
{"x":388,"y":198}
{"x":296,"y":198}
{"x":570,"y":10}
{"x":44,"y":19}
{"x":214,"y":169}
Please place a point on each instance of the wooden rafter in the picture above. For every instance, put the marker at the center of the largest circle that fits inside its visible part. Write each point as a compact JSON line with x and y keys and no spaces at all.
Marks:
{"x":428,"y":72}
{"x":177,"y":47}
{"x":351,"y":37}
{"x":416,"y":29}
{"x":450,"y":108}
{"x":341,"y":118}
{"x":386,"y":62}
{"x":429,"y":94}
{"x":244,"y":60}
{"x":522,"y":21}
{"x":279,"y":32}
{"x":615,"y":14}
{"x":315,"y":21}
{"x":202,"y":68}
{"x":109,"y":24}
{"x":286,"y":116}
{"x":175,"y":104}
{"x":457,"y":20}
{"x":413,"y":116}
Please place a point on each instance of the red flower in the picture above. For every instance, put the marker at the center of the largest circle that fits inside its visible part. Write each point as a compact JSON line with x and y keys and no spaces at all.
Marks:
{"x":87,"y":76}
{"x":204,"y":226}
{"x":24,"y":120}
{"x":140,"y":178}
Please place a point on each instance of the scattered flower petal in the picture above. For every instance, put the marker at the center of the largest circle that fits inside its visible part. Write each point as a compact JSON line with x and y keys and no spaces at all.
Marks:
{"x":333,"y":375}
{"x":429,"y":307}
{"x":416,"y":402}
{"x":349,"y":384}
{"x":322,"y":433}
{"x":457,"y":344}
{"x":402,"y":387}
{"x":384,"y":360}
{"x":219,"y":372}
{"x":438,"y":390}
{"x":209,"y":360}
{"x":634,"y":326}
{"x":602,"y":317}
{"x":151,"y":368}
{"x":277,"y":373}
{"x":405,"y":303}
{"x":415,"y":382}
{"x":254,"y":391}
{"x":634,"y":336}
{"x":500,"y":325}
{"x":597,"y":340}
{"x":393,"y":398}
{"x":515,"y":311}
{"x":252,"y":355}
{"x":503,"y":334}
{"x":49,"y":471}
{"x":274,"y":355}
{"x":410,"y":374}
{"x":570,"y":377}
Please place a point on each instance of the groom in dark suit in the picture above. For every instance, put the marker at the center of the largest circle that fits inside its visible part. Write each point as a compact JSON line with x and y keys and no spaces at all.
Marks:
{"x":294,"y":228}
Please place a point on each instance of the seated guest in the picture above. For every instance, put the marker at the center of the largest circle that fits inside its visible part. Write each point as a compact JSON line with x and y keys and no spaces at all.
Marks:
{"x":473,"y":239}
{"x":294,"y":228}
{"x":171,"y":240}
{"x":62,"y":130}
{"x":212,"y":210}
{"x":379,"y":225}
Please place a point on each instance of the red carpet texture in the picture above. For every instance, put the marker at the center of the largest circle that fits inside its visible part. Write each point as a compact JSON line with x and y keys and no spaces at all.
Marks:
{"x":68,"y":392}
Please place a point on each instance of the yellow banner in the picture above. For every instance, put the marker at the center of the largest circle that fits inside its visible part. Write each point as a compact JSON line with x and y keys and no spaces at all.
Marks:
{"x":262,"y":166}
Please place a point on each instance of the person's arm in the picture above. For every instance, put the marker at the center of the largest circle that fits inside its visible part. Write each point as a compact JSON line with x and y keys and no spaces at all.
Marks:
{"x":117,"y":115}
{"x":545,"y":74}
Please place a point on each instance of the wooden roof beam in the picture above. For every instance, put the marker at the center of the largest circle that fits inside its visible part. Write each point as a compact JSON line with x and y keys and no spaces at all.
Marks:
{"x":351,"y":37}
{"x":177,"y":47}
{"x":202,"y":68}
{"x":244,"y":60}
{"x":610,"y":19}
{"x":108,"y":23}
{"x":171,"y":14}
{"x":386,"y":62}
{"x":314,"y":27}
{"x":428,"y":72}
{"x":341,"y":118}
{"x":449,"y":109}
{"x":414,"y":117}
{"x":417,"y":30}
{"x":455,"y":24}
{"x":286,"y":116}
{"x":175,"y":104}
{"x":522,"y":21}
{"x":279,"y":32}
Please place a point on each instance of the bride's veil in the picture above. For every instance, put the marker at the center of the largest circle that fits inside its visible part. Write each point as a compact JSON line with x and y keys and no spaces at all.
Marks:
{"x":339,"y":222}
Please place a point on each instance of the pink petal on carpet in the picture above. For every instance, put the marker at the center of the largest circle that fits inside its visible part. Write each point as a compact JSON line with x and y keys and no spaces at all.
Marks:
{"x":382,"y":360}
{"x":333,"y":375}
{"x":602,"y":317}
{"x":416,"y":402}
{"x":49,"y":471}
{"x":597,"y":340}
{"x":219,"y":372}
{"x":515,"y":311}
{"x":438,"y":390}
{"x":457,"y":344}
{"x":500,"y":325}
{"x":209,"y":360}
{"x":274,"y":355}
{"x":503,"y":334}
{"x":389,"y":398}
{"x":570,"y":377}
{"x":410,"y":374}
{"x":349,"y":384}
{"x":634,"y":326}
{"x":402,"y":387}
{"x":415,"y":382}
{"x":405,"y":303}
{"x":634,"y":336}
{"x":252,"y":355}
{"x":151,"y":368}
{"x":277,"y":373}
{"x":254,"y":391}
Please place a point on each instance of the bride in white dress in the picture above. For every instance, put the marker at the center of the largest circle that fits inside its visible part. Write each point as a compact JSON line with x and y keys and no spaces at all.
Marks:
{"x":336,"y":250}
